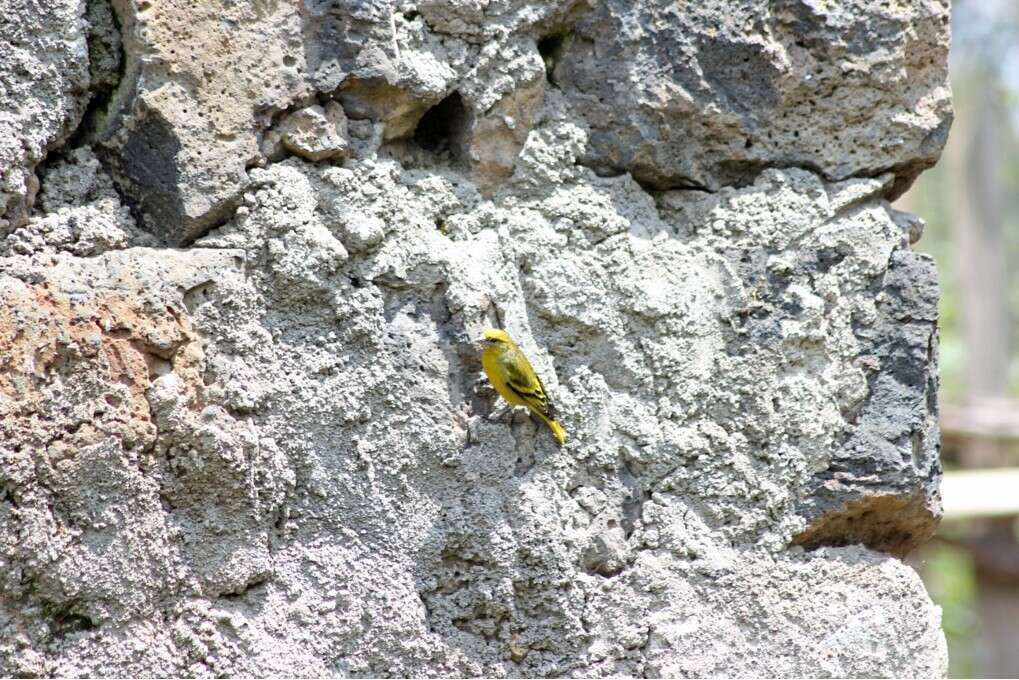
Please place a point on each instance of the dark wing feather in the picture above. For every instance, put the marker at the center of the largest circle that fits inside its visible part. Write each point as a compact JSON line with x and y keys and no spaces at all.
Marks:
{"x":534,"y":393}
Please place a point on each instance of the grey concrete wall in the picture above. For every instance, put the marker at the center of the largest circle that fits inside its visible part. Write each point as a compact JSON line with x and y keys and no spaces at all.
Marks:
{"x":246,"y":251}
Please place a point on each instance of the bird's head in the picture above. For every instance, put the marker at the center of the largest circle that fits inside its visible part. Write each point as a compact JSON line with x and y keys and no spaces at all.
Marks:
{"x":494,"y":337}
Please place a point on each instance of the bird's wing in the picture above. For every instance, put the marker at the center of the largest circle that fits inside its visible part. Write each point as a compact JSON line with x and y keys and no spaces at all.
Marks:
{"x":527,"y":385}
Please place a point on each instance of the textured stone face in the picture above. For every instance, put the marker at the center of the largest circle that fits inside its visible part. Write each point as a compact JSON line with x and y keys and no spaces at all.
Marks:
{"x":315,"y":133}
{"x":44,"y":75}
{"x":274,"y":451}
{"x":704,"y":94}
{"x":707,"y":94}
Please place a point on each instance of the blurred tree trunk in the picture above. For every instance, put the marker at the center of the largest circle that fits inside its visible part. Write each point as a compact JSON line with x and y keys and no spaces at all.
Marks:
{"x":977,"y":203}
{"x":997,"y":653}
{"x":995,"y":553}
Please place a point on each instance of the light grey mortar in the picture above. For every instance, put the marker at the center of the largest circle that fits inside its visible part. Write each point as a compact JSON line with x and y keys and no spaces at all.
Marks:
{"x":273,"y":452}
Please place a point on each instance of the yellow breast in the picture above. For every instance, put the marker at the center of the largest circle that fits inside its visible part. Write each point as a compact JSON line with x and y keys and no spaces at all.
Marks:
{"x":490,"y":361}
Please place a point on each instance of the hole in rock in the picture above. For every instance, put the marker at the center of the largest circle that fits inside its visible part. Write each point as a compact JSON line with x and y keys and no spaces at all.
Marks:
{"x":550,"y":48}
{"x":443,"y":126}
{"x":64,"y":620}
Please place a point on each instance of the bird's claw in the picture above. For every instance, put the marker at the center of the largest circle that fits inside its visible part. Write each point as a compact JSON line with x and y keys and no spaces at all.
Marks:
{"x":499,"y":413}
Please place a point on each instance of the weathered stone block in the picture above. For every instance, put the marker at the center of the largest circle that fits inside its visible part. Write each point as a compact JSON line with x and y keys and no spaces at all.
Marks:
{"x":273,"y":451}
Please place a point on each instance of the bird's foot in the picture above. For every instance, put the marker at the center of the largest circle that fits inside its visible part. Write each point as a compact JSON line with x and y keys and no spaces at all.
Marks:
{"x":499,"y":413}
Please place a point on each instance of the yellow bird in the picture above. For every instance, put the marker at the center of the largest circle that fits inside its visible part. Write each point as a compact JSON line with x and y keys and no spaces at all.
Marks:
{"x":511,"y":375}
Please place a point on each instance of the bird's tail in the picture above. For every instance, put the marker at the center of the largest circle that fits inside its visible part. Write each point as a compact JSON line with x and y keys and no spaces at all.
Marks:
{"x":557,"y":430}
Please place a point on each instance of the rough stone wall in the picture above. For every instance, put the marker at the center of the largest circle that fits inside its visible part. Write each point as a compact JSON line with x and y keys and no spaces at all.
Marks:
{"x":247,"y":249}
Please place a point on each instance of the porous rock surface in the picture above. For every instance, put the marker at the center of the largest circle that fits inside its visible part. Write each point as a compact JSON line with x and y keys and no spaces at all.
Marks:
{"x":272,"y":450}
{"x":44,"y":75}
